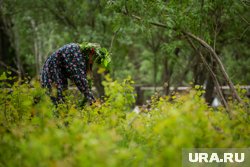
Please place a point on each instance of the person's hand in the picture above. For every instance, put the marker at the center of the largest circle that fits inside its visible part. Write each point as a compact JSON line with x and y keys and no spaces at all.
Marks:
{"x":97,"y":103}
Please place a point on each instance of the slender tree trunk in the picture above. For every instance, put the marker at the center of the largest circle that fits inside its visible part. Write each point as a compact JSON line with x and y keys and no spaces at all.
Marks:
{"x":18,"y":56}
{"x":98,"y":83}
{"x":40,"y":56}
{"x":166,"y":77}
{"x":155,"y":71}
{"x":36,"y":47}
{"x":140,"y":95}
{"x":210,"y":87}
{"x":199,"y":72}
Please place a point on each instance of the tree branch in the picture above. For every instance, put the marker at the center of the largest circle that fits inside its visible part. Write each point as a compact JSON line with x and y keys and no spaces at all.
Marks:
{"x":10,"y":68}
{"x":113,"y":38}
{"x":216,"y":57}
{"x":213,"y":75}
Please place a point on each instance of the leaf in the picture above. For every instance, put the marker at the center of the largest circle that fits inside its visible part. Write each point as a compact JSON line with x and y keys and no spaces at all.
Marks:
{"x":197,"y":86}
{"x":101,"y":70}
{"x":3,"y":76}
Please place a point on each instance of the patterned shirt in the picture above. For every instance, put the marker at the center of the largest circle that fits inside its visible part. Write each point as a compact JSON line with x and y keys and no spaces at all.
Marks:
{"x":66,"y":62}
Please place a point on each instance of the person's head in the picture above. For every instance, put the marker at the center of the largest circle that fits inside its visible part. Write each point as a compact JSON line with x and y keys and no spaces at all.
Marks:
{"x":100,"y":56}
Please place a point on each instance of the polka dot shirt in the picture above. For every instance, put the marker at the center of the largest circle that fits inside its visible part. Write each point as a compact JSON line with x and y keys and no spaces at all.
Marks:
{"x":66,"y":62}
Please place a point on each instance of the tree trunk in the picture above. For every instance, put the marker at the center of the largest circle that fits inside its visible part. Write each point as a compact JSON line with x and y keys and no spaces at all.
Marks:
{"x":155,"y":71}
{"x":18,"y":56}
{"x":36,"y":47}
{"x":7,"y":52}
{"x":210,"y":88}
{"x":140,"y":95}
{"x":198,"y":71}
{"x":166,"y":77}
{"x":98,"y":83}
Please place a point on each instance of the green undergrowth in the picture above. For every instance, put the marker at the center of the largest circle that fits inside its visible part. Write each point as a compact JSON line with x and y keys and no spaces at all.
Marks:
{"x":33,"y":132}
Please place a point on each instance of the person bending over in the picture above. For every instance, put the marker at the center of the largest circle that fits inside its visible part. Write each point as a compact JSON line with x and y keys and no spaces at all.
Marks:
{"x":73,"y":61}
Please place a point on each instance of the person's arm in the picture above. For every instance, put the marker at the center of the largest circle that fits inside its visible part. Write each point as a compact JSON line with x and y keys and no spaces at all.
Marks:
{"x":83,"y":85}
{"x":79,"y":72}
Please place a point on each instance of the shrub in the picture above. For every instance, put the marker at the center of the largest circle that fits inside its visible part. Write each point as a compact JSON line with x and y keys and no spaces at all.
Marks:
{"x":33,"y":132}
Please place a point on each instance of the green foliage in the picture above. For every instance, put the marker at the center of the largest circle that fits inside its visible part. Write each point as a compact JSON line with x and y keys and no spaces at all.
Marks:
{"x":101,"y":56}
{"x":124,"y":26}
{"x":120,"y":95}
{"x":35,"y":133}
